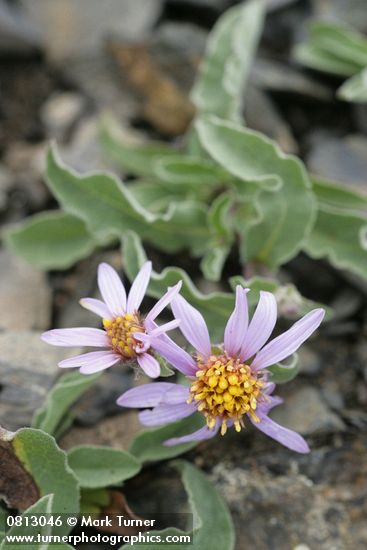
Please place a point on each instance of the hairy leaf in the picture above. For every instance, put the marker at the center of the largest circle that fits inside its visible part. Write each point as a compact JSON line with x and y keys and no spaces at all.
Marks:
{"x":341,"y":238}
{"x":355,"y":88}
{"x":97,"y":467}
{"x":109,"y":209}
{"x":230,"y":50}
{"x":64,"y":393}
{"x":51,"y":240}
{"x":213,"y":526}
{"x":274,"y":224}
{"x":339,"y":196}
{"x":148,"y":445}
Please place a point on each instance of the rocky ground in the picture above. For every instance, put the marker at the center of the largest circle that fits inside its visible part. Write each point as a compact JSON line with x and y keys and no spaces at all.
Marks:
{"x":56,"y":80}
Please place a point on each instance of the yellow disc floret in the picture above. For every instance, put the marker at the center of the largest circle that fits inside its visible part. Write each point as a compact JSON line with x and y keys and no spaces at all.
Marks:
{"x":226,"y":389}
{"x":120,"y":332}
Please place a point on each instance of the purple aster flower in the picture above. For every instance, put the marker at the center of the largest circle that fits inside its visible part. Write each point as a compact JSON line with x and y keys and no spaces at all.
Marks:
{"x":121,"y":321}
{"x":229,"y":383}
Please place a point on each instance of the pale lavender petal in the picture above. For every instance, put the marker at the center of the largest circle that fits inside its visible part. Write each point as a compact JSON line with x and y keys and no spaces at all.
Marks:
{"x":149,"y":365}
{"x":102,"y":363}
{"x":164,"y":328}
{"x":97,"y":306}
{"x":165,"y":414}
{"x":283,"y":435}
{"x":261,"y":325}
{"x":199,"y":435}
{"x":287,"y":343}
{"x":144,"y":342}
{"x":112,"y":289}
{"x":88,"y":358}
{"x":139,"y":287}
{"x":163,"y":302}
{"x":237,"y":324}
{"x":192,"y":326}
{"x":82,"y":336}
{"x":151,"y":395}
{"x":175,"y":355}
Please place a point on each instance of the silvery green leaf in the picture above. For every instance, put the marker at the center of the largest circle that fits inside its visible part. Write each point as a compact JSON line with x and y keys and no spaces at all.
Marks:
{"x":213,"y":526}
{"x":109,"y":209}
{"x":222,"y":236}
{"x":51,"y":240}
{"x":129,"y":153}
{"x":284,"y":372}
{"x":60,"y":398}
{"x":147,"y":446}
{"x":230,"y":50}
{"x":355,"y":88}
{"x":97,"y":467}
{"x":339,"y":196}
{"x":275,"y":223}
{"x":341,"y":237}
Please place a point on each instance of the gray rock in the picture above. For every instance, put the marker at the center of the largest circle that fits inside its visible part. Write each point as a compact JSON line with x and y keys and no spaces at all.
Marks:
{"x":275,"y":76}
{"x":60,"y":112}
{"x":342,"y":159}
{"x":25,"y":298}
{"x":68,"y":27}
{"x":307,"y":412}
{"x":262,"y":115}
{"x":28,"y":368}
{"x":309,"y":361}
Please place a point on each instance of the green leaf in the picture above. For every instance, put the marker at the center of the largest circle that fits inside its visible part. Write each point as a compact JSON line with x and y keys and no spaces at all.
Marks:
{"x":213,"y":526}
{"x":97,"y":467}
{"x":131,"y":154}
{"x":333,"y":48}
{"x":284,"y":372}
{"x":355,"y":88}
{"x":216,"y":306}
{"x":341,"y":238}
{"x":148,"y":444}
{"x":47,"y":464}
{"x":229,"y":54}
{"x":64,"y":393}
{"x":222,"y":236}
{"x":153,"y":196}
{"x":109,"y":209}
{"x":278,"y":221}
{"x":51,"y":240}
{"x":42,"y":506}
{"x":339,"y":196}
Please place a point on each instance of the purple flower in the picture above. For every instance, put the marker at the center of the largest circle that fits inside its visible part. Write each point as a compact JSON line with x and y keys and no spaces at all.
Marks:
{"x":121,"y":321}
{"x":227,"y":384}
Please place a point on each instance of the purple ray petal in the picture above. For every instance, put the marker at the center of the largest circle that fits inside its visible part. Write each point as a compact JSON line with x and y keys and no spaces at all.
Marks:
{"x":237,"y":324}
{"x":199,"y":435}
{"x":97,"y":306}
{"x":286,"y":437}
{"x":88,"y":358}
{"x":165,"y":414}
{"x":176,"y":356}
{"x":139,"y":287}
{"x":287,"y":343}
{"x":164,"y":328}
{"x":149,"y":365}
{"x":192,"y":326}
{"x":112,"y":289}
{"x":261,"y":325}
{"x":101,"y":363}
{"x":163,"y":302}
{"x":82,"y":336}
{"x":151,"y":395}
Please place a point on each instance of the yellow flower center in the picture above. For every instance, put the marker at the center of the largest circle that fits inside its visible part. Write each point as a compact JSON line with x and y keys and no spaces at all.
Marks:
{"x":227,"y":389}
{"x":120,"y":332}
